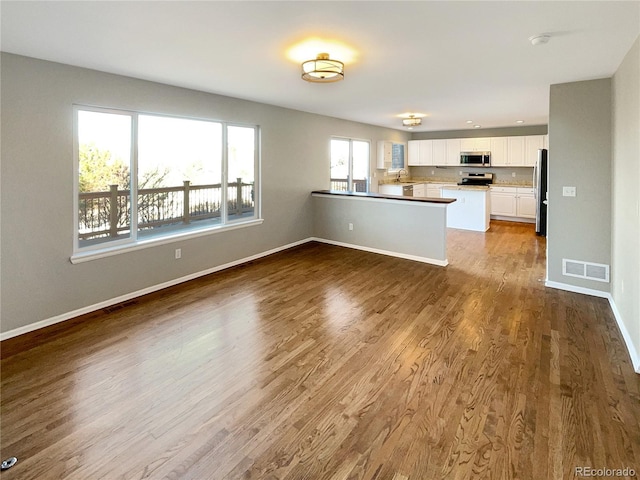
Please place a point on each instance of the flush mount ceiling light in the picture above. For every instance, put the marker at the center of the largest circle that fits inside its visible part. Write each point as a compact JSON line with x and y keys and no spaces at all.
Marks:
{"x":411,"y":122}
{"x":322,"y":69}
{"x":540,"y":39}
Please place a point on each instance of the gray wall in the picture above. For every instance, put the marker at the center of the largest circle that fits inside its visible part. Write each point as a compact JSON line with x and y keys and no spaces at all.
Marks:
{"x":579,"y":156}
{"x":37,"y":280}
{"x":482,"y":132}
{"x":408,"y":228}
{"x":625,"y":269}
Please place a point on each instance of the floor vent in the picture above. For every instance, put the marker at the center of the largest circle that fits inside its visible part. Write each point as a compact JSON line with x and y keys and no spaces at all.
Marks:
{"x":590,"y":271}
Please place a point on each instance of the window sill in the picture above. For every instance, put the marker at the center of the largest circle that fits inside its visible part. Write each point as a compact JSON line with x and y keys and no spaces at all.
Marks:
{"x":81,"y":257}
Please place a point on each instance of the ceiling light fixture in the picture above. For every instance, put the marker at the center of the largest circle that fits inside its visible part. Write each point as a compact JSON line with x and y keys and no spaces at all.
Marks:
{"x":540,"y":39}
{"x":411,"y":122}
{"x":469,"y":121}
{"x":477,"y":126}
{"x":322,"y":69}
{"x":519,"y":121}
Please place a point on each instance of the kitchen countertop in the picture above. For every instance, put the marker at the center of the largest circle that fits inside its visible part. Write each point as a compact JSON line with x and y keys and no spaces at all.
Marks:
{"x":513,"y":185}
{"x":455,"y":182}
{"x":386,"y":197}
{"x":481,"y":188}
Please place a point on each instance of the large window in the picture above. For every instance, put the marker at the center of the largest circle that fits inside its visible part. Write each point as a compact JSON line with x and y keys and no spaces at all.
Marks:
{"x":142,"y":176}
{"x":349,"y":165}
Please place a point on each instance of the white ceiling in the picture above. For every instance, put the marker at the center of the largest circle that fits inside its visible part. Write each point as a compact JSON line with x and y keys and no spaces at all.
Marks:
{"x":453,"y":61}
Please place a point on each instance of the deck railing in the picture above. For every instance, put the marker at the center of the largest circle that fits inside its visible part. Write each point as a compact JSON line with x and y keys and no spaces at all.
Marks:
{"x":342,"y":184}
{"x":108,"y":214}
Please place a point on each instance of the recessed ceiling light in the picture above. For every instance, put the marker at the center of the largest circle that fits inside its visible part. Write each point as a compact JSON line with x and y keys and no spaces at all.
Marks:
{"x":477,"y":126}
{"x":540,"y":39}
{"x":519,"y":121}
{"x":469,"y":121}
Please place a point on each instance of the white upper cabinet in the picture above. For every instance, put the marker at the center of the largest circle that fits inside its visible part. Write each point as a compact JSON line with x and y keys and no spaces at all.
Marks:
{"x":475,"y":144}
{"x":499,"y":154}
{"x":515,"y":151}
{"x":426,"y":152}
{"x":439,"y":152}
{"x":532,"y":144}
{"x":453,"y":151}
{"x":385,"y":152}
{"x":518,"y":151}
{"x":420,"y":153}
{"x":414,"y":153}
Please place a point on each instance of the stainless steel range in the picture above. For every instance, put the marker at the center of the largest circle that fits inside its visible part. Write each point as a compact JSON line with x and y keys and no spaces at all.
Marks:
{"x":476,"y":179}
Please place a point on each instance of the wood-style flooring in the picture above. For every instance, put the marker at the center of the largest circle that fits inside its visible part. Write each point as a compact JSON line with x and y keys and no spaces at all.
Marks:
{"x":322,"y":362}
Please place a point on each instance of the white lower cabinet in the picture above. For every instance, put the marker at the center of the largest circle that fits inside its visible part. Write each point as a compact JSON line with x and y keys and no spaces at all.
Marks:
{"x":390,"y":189}
{"x":526,"y":203}
{"x":419,"y":190}
{"x":513,"y":202}
{"x":503,"y":201}
{"x":434,"y":190}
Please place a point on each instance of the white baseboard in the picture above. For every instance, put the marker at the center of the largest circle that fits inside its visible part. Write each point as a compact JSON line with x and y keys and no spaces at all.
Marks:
{"x":432,"y":261}
{"x":513,"y":219}
{"x":575,"y":289}
{"x":631,"y":349}
{"x":138,"y":293}
{"x":633,"y":353}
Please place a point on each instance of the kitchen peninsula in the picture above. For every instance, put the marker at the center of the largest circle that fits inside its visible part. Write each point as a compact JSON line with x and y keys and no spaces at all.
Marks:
{"x":407,"y":227}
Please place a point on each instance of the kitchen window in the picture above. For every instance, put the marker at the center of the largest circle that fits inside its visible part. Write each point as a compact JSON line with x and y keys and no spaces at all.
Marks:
{"x":350,"y":164}
{"x":144,"y":178}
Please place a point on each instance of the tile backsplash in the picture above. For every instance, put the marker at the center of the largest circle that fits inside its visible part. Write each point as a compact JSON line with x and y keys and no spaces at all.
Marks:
{"x":523,"y":175}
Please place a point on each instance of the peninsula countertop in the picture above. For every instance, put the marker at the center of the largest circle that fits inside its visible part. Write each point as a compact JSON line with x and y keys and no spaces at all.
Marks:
{"x":382,"y":196}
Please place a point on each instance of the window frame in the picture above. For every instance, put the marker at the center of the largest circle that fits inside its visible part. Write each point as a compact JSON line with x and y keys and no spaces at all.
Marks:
{"x":350,"y":166}
{"x":134,"y":242}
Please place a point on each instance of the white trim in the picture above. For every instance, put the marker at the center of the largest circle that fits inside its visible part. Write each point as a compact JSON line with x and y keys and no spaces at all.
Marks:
{"x":633,"y":353}
{"x":513,"y":219}
{"x":123,"y":298}
{"x":82,"y":257}
{"x":575,"y":289}
{"x":631,"y":349}
{"x":432,"y":261}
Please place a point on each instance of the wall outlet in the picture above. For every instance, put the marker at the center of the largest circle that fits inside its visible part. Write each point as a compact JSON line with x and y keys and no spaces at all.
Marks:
{"x":513,"y":174}
{"x":460,"y":172}
{"x":433,"y":172}
{"x":568,"y":191}
{"x":351,"y":226}
{"x":178,"y":253}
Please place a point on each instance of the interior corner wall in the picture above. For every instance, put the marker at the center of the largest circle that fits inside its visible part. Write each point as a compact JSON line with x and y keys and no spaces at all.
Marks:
{"x":579,"y":228}
{"x":37,"y":280}
{"x":625,"y":230}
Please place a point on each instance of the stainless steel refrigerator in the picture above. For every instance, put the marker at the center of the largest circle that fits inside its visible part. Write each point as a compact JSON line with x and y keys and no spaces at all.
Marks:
{"x":540,"y":190}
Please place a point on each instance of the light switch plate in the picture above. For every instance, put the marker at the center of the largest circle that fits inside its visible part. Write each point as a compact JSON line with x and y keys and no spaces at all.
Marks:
{"x":568,"y":191}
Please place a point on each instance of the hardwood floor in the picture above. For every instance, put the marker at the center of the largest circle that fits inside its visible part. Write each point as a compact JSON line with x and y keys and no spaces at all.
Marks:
{"x":322,"y":362}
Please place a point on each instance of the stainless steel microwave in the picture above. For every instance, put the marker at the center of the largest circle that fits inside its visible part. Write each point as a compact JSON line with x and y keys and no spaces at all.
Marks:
{"x":475,"y":159}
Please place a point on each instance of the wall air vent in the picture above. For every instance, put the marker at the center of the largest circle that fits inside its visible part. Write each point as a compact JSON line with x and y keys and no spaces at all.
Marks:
{"x":590,"y":271}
